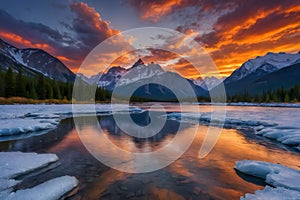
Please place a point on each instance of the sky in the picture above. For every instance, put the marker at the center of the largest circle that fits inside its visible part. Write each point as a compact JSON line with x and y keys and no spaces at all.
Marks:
{"x":231,"y":32}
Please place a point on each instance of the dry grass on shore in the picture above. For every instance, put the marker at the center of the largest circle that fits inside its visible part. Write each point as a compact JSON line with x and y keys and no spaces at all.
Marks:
{"x":22,"y":100}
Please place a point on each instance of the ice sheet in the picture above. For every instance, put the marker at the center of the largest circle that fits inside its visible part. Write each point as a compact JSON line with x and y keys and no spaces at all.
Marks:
{"x":276,"y":123}
{"x":273,"y":194}
{"x":13,"y":164}
{"x":20,"y":119}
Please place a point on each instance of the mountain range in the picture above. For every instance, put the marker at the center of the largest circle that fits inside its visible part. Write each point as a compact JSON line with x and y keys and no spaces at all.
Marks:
{"x":255,"y":76}
{"x":141,"y":73}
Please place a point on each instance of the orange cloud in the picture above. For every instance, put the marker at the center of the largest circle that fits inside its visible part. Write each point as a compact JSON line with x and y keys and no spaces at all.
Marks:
{"x":17,"y":39}
{"x":90,"y":19}
{"x":158,"y":9}
{"x":236,"y":40}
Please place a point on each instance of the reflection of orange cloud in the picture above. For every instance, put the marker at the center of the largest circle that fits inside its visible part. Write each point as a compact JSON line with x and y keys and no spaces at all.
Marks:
{"x":17,"y":39}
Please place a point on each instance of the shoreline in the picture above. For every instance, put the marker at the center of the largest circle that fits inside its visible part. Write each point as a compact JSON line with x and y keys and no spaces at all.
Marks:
{"x":26,"y":101}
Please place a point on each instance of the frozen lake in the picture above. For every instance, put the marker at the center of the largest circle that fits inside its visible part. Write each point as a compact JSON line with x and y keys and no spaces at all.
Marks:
{"x":246,"y":136}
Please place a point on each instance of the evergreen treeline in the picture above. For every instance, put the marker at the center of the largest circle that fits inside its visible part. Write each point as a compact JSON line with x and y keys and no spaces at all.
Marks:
{"x":41,"y":87}
{"x":279,"y":95}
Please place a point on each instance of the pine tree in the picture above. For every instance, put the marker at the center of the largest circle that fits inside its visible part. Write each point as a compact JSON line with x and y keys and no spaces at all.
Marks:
{"x":10,"y":84}
{"x":41,"y":87}
{"x":56,"y":91}
{"x":286,"y":97}
{"x":49,"y":92}
{"x":32,"y":94}
{"x":2,"y":83}
{"x":20,"y":85}
{"x":267,"y":98}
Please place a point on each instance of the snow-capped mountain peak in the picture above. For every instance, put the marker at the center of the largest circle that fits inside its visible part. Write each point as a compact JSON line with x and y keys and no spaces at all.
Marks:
{"x":269,"y":63}
{"x":139,"y":72}
{"x":137,"y":63}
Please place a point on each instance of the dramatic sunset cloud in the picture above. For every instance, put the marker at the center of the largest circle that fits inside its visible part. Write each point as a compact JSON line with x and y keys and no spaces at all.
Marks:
{"x":230,"y":31}
{"x":86,"y":30}
{"x":242,"y":29}
{"x":154,"y":10}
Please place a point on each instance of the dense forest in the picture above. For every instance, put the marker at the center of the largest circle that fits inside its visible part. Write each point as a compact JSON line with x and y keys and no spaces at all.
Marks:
{"x":40,"y":87}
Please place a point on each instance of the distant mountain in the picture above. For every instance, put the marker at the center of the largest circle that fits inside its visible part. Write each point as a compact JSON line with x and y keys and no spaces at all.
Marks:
{"x":286,"y":77}
{"x":138,"y":74}
{"x":33,"y":62}
{"x":109,"y":79}
{"x":263,"y":65}
{"x":208,"y":82}
{"x":264,"y":73}
{"x":94,"y":79}
{"x":145,"y":77}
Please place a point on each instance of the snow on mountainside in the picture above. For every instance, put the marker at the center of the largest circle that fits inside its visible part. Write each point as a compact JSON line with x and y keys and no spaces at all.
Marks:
{"x":137,"y":72}
{"x":208,"y":82}
{"x":111,"y":77}
{"x":268,"y":63}
{"x":36,"y":60}
{"x":90,"y":80}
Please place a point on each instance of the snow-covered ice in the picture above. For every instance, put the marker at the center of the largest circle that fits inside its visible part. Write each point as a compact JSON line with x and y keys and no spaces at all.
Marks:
{"x":274,"y":174}
{"x":268,"y":192}
{"x":49,"y":190}
{"x":276,"y":123}
{"x":285,"y":179}
{"x":20,"y":119}
{"x":13,"y":164}
{"x":286,"y":105}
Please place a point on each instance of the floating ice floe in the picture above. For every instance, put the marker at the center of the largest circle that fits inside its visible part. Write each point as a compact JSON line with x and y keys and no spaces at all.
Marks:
{"x":285,"y":179}
{"x":14,"y":164}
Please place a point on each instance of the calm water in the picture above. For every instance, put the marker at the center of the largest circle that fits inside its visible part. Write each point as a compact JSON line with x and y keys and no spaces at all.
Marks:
{"x":189,"y":177}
